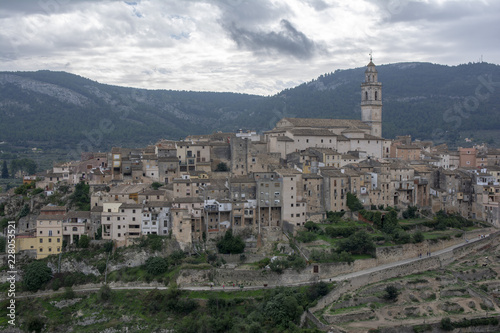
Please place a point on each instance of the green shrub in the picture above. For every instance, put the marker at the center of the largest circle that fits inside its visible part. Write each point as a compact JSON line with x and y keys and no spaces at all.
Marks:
{"x":230,"y":244}
{"x":156,"y":265}
{"x":108,"y":246}
{"x":446,"y":324}
{"x":35,"y":324}
{"x":84,"y":241}
{"x":263,"y":263}
{"x":101,"y":266}
{"x":422,"y":328}
{"x":358,"y":243}
{"x":311,"y":226}
{"x":391,"y":293}
{"x":353,"y":202}
{"x":37,"y":274}
{"x":69,"y":293}
{"x":418,"y":237}
{"x":105,"y":293}
{"x":306,"y":236}
{"x":278,"y":265}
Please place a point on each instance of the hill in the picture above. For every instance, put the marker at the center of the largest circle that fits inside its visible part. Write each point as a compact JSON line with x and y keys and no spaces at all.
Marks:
{"x":60,"y":110}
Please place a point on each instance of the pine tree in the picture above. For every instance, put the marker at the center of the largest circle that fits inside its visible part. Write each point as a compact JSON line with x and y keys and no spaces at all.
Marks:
{"x":5,"y":170}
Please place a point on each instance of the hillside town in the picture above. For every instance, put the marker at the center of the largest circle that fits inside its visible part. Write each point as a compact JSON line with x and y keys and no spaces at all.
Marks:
{"x":197,"y":188}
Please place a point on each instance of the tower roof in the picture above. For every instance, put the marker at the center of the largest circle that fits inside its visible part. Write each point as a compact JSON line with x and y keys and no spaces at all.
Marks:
{"x":371,"y":67}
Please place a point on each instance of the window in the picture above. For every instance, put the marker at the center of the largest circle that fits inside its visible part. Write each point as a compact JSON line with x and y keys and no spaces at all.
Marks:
{"x":41,"y":239}
{"x":50,"y":232}
{"x":59,"y":240}
{"x":50,"y":240}
{"x":75,"y":229}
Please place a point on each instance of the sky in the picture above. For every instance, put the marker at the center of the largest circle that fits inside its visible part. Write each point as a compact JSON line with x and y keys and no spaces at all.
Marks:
{"x":245,"y":46}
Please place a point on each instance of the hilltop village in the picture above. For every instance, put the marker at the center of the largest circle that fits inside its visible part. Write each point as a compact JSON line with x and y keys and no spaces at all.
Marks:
{"x":262,"y":184}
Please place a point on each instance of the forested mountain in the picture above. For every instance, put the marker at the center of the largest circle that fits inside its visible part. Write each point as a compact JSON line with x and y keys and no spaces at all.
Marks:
{"x":58,"y":109}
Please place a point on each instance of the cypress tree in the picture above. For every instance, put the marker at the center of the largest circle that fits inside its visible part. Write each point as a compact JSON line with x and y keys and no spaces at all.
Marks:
{"x":5,"y":170}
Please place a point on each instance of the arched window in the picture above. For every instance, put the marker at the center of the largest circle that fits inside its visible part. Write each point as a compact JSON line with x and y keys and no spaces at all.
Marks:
{"x":366,"y":95}
{"x":375,"y":95}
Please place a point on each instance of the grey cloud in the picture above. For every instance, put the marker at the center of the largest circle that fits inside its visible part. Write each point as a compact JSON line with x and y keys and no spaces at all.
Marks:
{"x":318,"y":5}
{"x":249,"y":13}
{"x":288,"y":41}
{"x":408,"y":10}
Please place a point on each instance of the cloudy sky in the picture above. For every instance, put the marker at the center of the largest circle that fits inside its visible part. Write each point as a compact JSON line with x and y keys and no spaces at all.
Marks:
{"x":248,"y":46}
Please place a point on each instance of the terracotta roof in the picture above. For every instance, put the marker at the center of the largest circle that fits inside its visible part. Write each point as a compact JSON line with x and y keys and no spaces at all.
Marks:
{"x":312,"y":132}
{"x":158,"y":204}
{"x":78,"y":214}
{"x":188,"y":200}
{"x":130,"y":206}
{"x":153,"y":192}
{"x":284,"y":139}
{"x":327,"y":123}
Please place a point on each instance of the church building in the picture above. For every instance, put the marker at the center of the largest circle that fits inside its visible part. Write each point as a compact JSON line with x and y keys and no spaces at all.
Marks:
{"x":342,"y":135}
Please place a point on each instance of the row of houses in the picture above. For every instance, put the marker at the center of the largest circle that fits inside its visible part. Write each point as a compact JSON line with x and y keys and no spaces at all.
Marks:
{"x":199,"y":205}
{"x":291,"y":174}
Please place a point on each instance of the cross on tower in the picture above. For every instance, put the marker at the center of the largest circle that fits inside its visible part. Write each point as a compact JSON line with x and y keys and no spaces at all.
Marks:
{"x":370,"y":55}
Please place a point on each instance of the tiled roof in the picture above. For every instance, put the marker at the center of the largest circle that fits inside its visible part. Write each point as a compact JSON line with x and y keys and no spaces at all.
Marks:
{"x":312,"y":132}
{"x":327,"y":123}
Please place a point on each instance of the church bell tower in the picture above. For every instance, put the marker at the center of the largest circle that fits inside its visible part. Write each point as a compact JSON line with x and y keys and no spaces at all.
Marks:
{"x":371,"y":100}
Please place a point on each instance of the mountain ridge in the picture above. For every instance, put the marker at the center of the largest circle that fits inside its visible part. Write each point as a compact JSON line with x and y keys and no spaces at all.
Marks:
{"x":57,"y":108}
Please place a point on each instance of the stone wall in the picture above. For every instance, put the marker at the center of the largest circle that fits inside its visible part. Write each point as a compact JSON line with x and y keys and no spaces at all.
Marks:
{"x":407,"y":251}
{"x":190,"y":277}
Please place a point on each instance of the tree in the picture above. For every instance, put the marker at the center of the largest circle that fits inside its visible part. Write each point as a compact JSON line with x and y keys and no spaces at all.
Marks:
{"x":222,"y":167}
{"x":84,"y":241}
{"x":105,"y":293}
{"x":391,"y":293}
{"x":36,"y":275}
{"x":418,"y":237}
{"x":5,"y":170}
{"x":156,"y":185}
{"x":353,"y":202}
{"x":231,"y":244}
{"x":377,"y":220}
{"x":358,"y":243}
{"x":311,"y":226}
{"x":447,"y":325}
{"x":24,"y":165}
{"x":81,"y":196}
{"x":390,"y":224}
{"x":156,"y":265}
{"x":283,"y":308}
